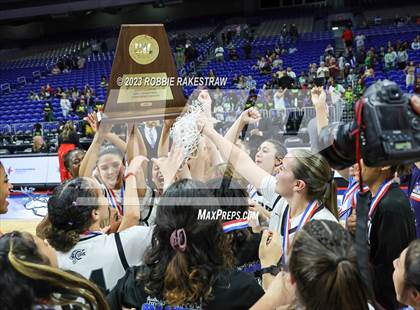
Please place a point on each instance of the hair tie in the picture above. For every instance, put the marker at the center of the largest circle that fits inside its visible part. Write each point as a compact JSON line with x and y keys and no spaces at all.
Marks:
{"x":178,"y":240}
{"x":331,"y":177}
{"x":340,"y":259}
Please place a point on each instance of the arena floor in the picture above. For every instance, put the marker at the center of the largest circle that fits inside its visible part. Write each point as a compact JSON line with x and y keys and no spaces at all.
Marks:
{"x":24,"y":213}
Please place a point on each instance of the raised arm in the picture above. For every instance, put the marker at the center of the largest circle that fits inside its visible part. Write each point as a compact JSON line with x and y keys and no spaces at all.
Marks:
{"x":249,"y":116}
{"x":241,"y":162}
{"x":319,"y":100}
{"x":89,"y":160}
{"x":117,"y":141}
{"x":169,"y":166}
{"x":163,"y":147}
{"x":111,"y":137}
{"x":101,"y":133}
{"x":131,"y":199}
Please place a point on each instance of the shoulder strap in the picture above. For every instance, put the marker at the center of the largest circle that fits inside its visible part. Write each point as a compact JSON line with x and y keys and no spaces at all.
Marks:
{"x":120,"y":249}
{"x":283,"y":220}
{"x":151,"y":205}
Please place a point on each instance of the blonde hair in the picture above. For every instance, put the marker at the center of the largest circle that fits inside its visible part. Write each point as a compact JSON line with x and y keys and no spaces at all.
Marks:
{"x":315,"y":171}
{"x":67,"y":129}
{"x":226,"y":170}
{"x":38,"y":142}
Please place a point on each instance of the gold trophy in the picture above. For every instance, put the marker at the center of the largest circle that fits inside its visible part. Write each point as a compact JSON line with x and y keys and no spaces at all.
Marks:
{"x":143,"y":77}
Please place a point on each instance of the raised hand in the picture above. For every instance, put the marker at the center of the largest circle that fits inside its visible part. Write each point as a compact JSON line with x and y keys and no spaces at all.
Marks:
{"x":250,"y":116}
{"x":318,"y":96}
{"x":270,"y":249}
{"x":204,"y":124}
{"x":263,"y":213}
{"x":170,"y":165}
{"x":92,"y":121}
{"x":136,"y":163}
{"x":205,"y":99}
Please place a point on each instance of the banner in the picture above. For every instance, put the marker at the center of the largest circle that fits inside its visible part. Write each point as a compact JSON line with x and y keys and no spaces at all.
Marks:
{"x":32,"y":169}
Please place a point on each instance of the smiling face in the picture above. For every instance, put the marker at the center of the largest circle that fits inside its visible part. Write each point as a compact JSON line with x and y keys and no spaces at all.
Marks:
{"x":286,"y":181}
{"x":5,"y":188}
{"x":102,"y":213}
{"x":157,"y":176}
{"x":75,"y":161}
{"x":265,"y":157}
{"x":110,"y":169}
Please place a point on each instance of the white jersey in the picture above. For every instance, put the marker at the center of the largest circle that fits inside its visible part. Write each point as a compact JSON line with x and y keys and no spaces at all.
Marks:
{"x":268,"y":186}
{"x":258,"y":197}
{"x":103,"y":258}
{"x":148,"y":207}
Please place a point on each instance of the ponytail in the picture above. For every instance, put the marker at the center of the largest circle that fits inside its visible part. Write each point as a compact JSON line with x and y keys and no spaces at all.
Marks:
{"x":70,"y":212}
{"x":324,"y":252}
{"x":330,"y":198}
{"x":62,"y":240}
{"x":315,"y":171}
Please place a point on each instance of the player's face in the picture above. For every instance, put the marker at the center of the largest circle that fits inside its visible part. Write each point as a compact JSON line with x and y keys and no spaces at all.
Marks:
{"x":105,"y":213}
{"x":265,"y":157}
{"x":5,"y":188}
{"x":286,"y":180}
{"x":75,"y":163}
{"x":110,"y":169}
{"x":45,"y":250}
{"x":157,"y":176}
{"x":369,"y":174}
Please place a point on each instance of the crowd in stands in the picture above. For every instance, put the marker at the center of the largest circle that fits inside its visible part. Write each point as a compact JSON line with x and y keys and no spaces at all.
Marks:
{"x":67,"y":63}
{"x":72,"y":100}
{"x":119,"y":234}
{"x":345,"y":75}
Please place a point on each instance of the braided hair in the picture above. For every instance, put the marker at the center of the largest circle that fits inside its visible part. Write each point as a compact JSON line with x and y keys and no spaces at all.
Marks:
{"x":69,"y":211}
{"x":324,"y":252}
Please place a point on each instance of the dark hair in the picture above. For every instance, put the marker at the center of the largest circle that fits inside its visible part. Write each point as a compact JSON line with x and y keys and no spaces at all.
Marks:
{"x":412,"y":265}
{"x":185,"y":277}
{"x":69,"y":211}
{"x":324,"y":252}
{"x":254,"y":142}
{"x":232,"y":197}
{"x":281,"y":150}
{"x":110,"y":150}
{"x":27,"y":278}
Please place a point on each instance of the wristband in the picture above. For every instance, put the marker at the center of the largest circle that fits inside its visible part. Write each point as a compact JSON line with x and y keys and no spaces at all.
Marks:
{"x":129,"y":174}
{"x":273,"y":269}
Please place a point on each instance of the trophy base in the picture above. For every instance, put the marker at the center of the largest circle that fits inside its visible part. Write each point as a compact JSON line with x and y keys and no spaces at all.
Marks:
{"x":122,"y":117}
